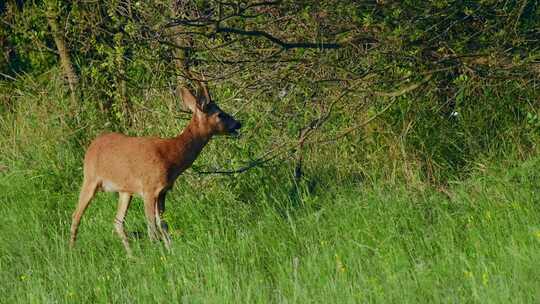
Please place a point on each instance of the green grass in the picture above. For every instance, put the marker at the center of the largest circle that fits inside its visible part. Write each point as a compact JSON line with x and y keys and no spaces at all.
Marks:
{"x":479,"y":242}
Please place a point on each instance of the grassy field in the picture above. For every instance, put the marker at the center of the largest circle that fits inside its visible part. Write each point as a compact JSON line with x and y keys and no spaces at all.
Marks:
{"x":477,"y":241}
{"x":391,"y":150}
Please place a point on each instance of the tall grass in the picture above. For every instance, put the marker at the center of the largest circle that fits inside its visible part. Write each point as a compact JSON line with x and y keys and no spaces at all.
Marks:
{"x":370,"y":222}
{"x":479,"y":242}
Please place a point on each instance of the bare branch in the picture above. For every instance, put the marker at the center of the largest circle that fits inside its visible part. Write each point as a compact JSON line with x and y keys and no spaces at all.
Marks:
{"x":281,"y":43}
{"x":393,"y":95}
{"x":253,"y":164}
{"x":7,"y":76}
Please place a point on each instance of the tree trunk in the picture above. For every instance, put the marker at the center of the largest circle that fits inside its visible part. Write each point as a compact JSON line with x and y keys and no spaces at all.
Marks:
{"x":65,"y":59}
{"x":181,"y":59}
{"x":182,"y":46}
{"x":121,"y":94}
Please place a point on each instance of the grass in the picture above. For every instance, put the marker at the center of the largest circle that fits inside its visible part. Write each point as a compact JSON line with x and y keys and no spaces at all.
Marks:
{"x":367,"y":227}
{"x":479,"y":242}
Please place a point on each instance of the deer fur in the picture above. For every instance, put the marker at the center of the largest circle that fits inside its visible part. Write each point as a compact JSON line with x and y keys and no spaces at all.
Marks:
{"x":148,"y":166}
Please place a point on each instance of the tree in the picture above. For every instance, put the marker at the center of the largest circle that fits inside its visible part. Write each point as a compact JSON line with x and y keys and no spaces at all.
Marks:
{"x":52,"y":12}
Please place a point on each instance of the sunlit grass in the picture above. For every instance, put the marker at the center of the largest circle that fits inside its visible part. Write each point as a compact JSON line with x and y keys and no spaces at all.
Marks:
{"x":376,"y":243}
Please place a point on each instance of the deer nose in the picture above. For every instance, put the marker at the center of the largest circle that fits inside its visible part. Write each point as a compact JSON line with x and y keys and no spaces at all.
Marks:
{"x":237,"y":125}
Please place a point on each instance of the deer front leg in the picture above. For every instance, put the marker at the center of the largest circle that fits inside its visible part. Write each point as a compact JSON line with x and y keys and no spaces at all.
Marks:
{"x":150,"y":204}
{"x":162,"y":224}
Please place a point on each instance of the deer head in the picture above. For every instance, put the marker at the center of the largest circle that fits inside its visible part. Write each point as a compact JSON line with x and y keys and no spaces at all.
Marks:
{"x":207,"y":113}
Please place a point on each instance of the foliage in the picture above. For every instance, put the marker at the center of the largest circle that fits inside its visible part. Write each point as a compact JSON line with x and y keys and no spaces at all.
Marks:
{"x":303,"y":73}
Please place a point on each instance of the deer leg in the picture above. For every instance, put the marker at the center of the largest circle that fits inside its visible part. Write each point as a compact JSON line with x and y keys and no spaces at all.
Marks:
{"x":87,"y":193}
{"x":162,"y":224}
{"x":150,"y":204}
{"x":124,"y":199}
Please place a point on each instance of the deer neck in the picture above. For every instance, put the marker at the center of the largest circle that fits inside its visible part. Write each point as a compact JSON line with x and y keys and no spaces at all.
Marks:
{"x":189,"y":144}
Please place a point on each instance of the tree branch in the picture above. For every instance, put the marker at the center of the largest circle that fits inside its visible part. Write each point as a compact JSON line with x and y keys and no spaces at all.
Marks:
{"x":253,"y":164}
{"x":281,"y":43}
{"x":393,"y":95}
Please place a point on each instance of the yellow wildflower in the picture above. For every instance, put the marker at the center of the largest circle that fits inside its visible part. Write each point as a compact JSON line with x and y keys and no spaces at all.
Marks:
{"x":485,"y":278}
{"x":339,"y":265}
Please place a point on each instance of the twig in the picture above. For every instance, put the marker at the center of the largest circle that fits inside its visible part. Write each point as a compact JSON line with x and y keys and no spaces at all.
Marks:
{"x":281,"y":43}
{"x":315,"y":124}
{"x":393,"y":95}
{"x":7,"y":76}
{"x":253,"y":164}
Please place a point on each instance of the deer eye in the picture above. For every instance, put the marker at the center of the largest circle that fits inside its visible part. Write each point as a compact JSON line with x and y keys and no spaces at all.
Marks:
{"x":221,"y":115}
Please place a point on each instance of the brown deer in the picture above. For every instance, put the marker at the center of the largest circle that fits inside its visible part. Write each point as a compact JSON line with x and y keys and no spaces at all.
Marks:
{"x":148,"y":166}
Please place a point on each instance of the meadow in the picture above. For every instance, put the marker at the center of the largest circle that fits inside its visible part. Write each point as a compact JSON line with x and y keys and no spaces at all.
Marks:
{"x":260,"y":237}
{"x":388,"y":151}
{"x":479,"y":242}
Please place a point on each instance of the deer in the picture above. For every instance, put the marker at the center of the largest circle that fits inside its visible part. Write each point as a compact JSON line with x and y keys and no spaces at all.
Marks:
{"x":149,"y":166}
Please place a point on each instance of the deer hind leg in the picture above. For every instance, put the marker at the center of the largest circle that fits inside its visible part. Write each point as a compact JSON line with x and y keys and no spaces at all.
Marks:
{"x":87,"y":193}
{"x":162,"y":224}
{"x":124,"y":200}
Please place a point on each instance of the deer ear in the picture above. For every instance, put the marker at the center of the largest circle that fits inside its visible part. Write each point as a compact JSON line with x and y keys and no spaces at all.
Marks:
{"x":189,"y":99}
{"x":203,"y":104}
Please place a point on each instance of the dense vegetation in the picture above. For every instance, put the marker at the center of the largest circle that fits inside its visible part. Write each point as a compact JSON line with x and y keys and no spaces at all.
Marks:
{"x":389,"y":149}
